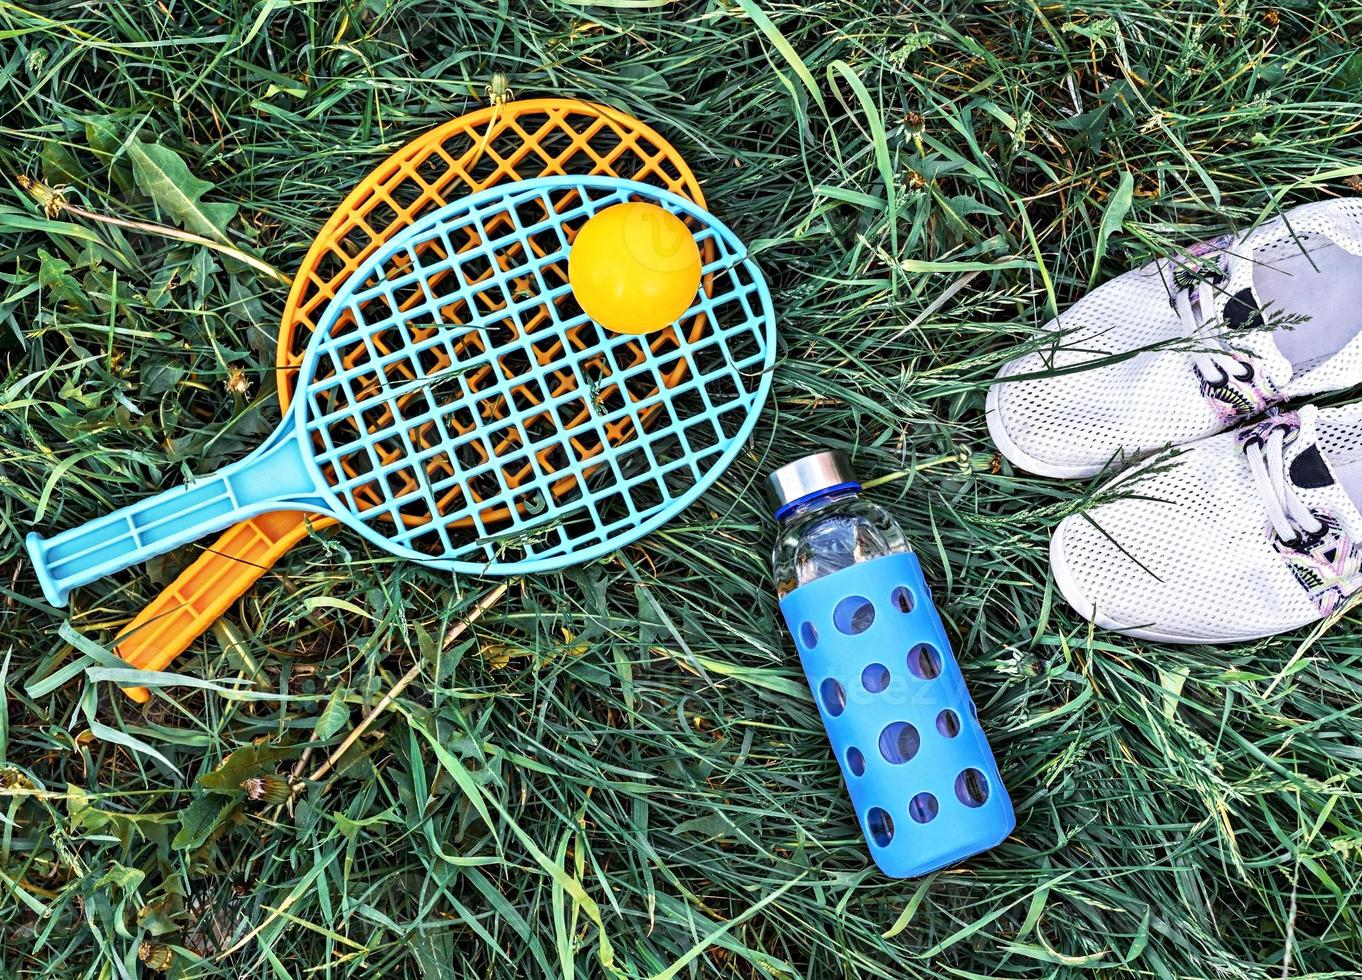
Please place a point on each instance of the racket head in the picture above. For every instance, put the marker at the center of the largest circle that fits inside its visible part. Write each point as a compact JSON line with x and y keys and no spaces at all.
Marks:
{"x":520,"y":140}
{"x":532,"y":439}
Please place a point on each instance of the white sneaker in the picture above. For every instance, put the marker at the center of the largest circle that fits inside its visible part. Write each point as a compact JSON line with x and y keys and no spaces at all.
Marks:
{"x":1183,"y":348}
{"x":1236,"y":537}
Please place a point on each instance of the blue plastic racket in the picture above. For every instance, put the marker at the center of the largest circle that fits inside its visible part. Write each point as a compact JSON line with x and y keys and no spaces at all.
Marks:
{"x":458,"y":409}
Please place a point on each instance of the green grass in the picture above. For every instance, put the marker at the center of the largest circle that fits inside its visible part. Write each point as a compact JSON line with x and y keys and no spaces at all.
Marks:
{"x":619,"y":768}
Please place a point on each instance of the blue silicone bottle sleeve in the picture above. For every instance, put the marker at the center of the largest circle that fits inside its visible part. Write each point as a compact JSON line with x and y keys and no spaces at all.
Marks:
{"x":915,"y":760}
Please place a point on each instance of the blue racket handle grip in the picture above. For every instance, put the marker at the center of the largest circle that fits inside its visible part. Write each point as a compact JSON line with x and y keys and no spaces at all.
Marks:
{"x":916,"y":763}
{"x":109,"y":544}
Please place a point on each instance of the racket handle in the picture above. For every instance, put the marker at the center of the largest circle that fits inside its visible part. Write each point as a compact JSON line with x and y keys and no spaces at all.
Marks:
{"x":271,"y":478}
{"x":220,"y":576}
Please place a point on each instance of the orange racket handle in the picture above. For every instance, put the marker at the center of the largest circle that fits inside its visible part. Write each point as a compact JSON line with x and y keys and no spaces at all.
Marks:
{"x":206,"y":589}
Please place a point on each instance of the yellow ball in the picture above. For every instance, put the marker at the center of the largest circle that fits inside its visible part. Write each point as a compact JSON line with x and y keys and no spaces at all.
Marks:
{"x":634,"y":268}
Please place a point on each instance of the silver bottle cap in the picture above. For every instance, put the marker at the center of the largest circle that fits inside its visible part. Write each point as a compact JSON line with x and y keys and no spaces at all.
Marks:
{"x":821,"y":471}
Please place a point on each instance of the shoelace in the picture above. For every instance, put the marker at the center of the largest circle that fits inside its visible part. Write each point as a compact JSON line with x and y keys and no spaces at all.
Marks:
{"x":1290,"y":518}
{"x":1208,"y":363}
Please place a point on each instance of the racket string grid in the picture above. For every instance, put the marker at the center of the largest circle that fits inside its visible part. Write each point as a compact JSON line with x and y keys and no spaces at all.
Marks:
{"x":492,"y":421}
{"x":564,"y":138}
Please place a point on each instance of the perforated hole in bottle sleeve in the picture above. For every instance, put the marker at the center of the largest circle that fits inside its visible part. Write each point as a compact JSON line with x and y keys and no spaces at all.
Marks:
{"x":924,"y":661}
{"x":881,"y":826}
{"x":833,"y":696}
{"x":902,"y":599}
{"x":948,"y":723}
{"x":853,"y":615}
{"x":899,"y":743}
{"x":875,"y":678}
{"x":855,"y":761}
{"x":924,"y":807}
{"x":971,"y":788}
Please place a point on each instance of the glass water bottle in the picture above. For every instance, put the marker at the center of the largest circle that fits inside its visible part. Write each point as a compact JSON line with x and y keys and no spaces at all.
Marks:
{"x":902,"y":725}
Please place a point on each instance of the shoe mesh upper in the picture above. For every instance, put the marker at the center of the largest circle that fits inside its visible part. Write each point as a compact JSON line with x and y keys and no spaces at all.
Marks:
{"x":1152,"y":398}
{"x":1182,"y":545}
{"x":1143,"y":401}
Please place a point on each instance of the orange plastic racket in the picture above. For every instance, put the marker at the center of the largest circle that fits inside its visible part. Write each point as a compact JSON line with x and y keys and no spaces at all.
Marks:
{"x":514,"y":141}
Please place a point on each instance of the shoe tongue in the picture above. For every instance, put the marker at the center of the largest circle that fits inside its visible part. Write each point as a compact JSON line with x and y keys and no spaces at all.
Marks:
{"x":1239,"y":315}
{"x":1312,"y":476}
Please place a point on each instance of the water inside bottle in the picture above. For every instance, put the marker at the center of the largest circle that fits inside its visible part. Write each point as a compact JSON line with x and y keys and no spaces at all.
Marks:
{"x":829,"y":533}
